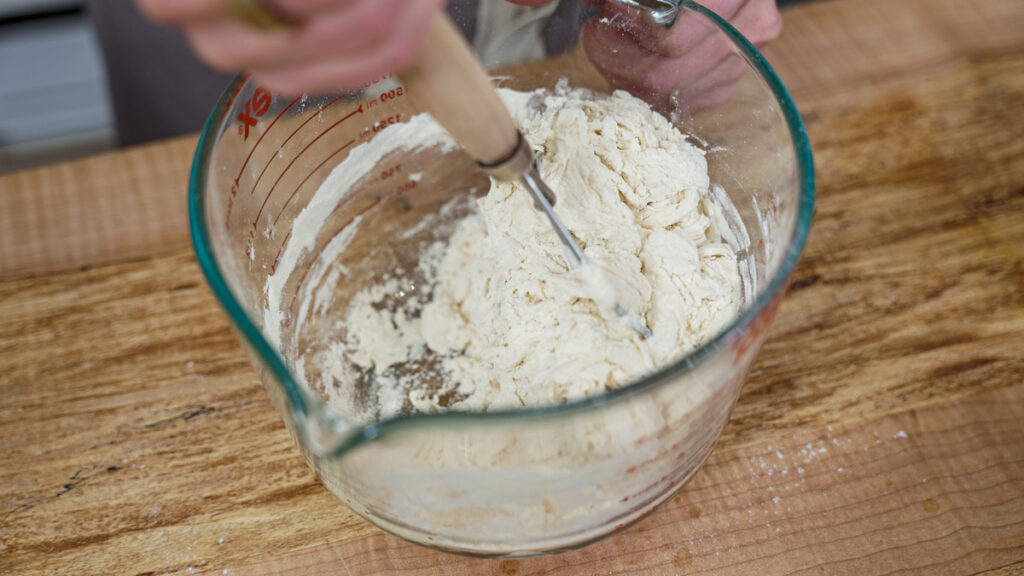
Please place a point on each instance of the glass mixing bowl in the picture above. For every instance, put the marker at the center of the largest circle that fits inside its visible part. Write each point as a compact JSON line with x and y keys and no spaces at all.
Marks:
{"x":502,"y":483}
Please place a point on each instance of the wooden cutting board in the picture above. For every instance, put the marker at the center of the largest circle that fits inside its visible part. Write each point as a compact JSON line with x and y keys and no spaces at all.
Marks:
{"x":881,"y":431}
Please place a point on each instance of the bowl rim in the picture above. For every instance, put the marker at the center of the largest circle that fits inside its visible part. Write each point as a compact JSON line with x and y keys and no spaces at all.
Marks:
{"x":305,"y":407}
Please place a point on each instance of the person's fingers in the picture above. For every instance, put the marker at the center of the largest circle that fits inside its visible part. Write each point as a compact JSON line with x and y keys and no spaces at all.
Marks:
{"x":332,"y":74}
{"x":627,"y":21}
{"x":183,"y":11}
{"x":396,"y":52}
{"x":690,"y":64}
{"x":759,"y":21}
{"x":628,"y":65}
{"x":302,"y":9}
{"x":691,"y":28}
{"x":694,"y":102}
{"x":187,"y":12}
{"x":713,"y":83}
{"x":229,"y":45}
{"x":727,"y":9}
{"x":613,"y":51}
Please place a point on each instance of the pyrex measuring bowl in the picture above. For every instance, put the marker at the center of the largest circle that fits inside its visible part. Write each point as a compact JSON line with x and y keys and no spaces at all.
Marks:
{"x":501,"y":483}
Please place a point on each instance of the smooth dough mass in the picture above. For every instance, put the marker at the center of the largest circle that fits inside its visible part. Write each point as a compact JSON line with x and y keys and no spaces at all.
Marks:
{"x":511,"y":323}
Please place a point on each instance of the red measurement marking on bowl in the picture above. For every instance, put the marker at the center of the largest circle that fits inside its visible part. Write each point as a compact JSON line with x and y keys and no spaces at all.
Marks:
{"x":258,"y":105}
{"x":671,"y":478}
{"x":392,"y":94}
{"x":751,"y":335}
{"x":296,"y":157}
{"x":384,"y":174}
{"x":288,"y":139}
{"x":255,"y":107}
{"x":382,"y":124}
{"x":284,"y":242}
{"x":658,"y":434}
{"x":277,"y":259}
{"x":227,"y":213}
{"x":308,"y":176}
{"x":234,"y":189}
{"x":405,"y":187}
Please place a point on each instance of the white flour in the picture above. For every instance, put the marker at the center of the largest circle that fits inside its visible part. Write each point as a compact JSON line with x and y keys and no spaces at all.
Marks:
{"x":510,"y":324}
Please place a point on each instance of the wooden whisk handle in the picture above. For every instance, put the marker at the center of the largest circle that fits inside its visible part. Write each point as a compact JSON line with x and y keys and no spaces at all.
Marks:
{"x":449,"y":81}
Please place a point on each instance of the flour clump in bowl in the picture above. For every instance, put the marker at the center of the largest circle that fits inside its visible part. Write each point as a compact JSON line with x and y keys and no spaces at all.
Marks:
{"x":510,"y":323}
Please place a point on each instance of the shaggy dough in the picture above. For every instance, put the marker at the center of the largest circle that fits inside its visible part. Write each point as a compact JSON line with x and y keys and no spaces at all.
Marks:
{"x":510,"y":324}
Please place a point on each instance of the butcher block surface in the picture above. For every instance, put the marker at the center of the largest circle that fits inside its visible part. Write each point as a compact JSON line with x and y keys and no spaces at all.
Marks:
{"x":881,"y":431}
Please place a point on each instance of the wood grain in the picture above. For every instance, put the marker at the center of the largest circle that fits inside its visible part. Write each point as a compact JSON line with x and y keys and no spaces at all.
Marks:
{"x":136,"y":434}
{"x":881,"y":430}
{"x":111,"y":207}
{"x":798,"y":507}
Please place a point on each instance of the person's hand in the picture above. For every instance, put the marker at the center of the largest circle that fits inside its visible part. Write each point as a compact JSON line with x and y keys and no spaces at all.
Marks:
{"x":333,"y":44}
{"x":688,"y":66}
